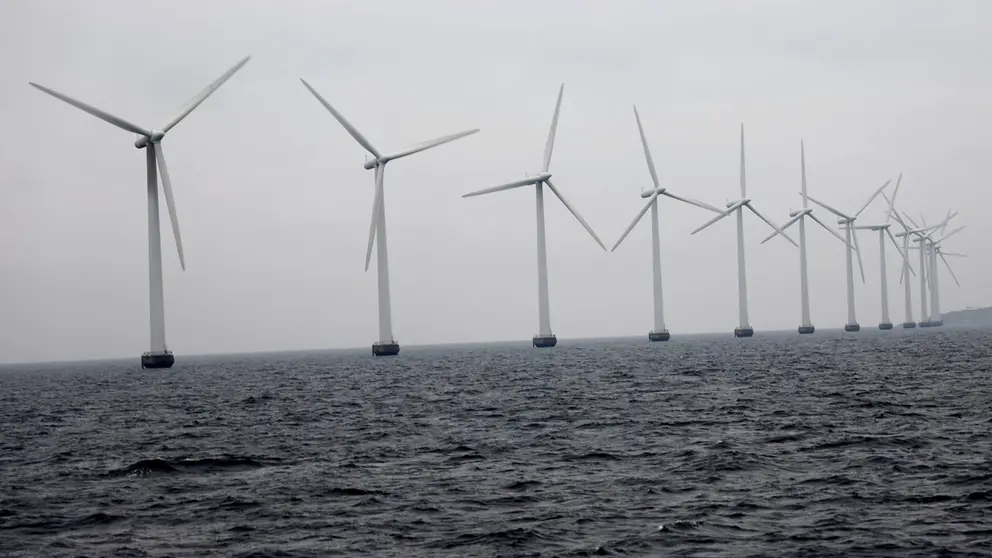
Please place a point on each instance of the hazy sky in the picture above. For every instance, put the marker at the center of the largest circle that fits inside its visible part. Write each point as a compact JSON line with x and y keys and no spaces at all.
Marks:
{"x":274,"y":203}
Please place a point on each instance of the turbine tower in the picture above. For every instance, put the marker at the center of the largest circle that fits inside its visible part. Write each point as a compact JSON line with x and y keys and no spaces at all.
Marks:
{"x":660,"y":332}
{"x":848,"y":222}
{"x":800,"y":216}
{"x":159,"y":355}
{"x":918,"y":234}
{"x":544,"y":337}
{"x":744,"y":328}
{"x":386,"y":345}
{"x":883,"y":231}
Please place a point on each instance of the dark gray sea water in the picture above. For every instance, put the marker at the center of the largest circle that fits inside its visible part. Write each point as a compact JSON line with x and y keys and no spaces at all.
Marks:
{"x":868,"y":444}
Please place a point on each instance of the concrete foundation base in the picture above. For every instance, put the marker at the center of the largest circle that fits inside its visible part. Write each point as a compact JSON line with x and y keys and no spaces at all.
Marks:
{"x":924,"y":324}
{"x":852,"y":327}
{"x":386,"y":349}
{"x":885,"y":326}
{"x":806,"y":329}
{"x":937,"y":323}
{"x":743,"y":332}
{"x":544,"y":341}
{"x":659,"y":335}
{"x":157,"y":360}
{"x":908,"y":325}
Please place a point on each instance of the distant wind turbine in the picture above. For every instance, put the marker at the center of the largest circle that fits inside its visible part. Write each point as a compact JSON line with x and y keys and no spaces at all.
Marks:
{"x":800,"y":216}
{"x":386,"y":345}
{"x":883,"y":231}
{"x":660,"y":332}
{"x":744,"y":328}
{"x":151,"y":140}
{"x":544,"y":337}
{"x":848,"y":222}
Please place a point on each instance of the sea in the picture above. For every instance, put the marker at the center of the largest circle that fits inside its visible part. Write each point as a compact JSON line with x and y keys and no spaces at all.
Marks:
{"x":834,"y":444}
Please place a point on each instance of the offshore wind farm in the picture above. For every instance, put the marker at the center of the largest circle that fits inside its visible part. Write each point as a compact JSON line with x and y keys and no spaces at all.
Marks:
{"x":447,"y":279}
{"x":920,"y":238}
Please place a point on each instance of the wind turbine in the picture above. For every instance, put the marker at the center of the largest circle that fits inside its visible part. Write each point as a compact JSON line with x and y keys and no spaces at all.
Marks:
{"x":883,"y":231}
{"x":800,"y":217}
{"x":909,"y":323}
{"x":386,"y":345}
{"x":932,"y":249}
{"x":848,"y":222}
{"x":544,"y":337}
{"x":918,"y":233}
{"x":159,"y":355}
{"x":660,"y":332}
{"x":744,"y":329}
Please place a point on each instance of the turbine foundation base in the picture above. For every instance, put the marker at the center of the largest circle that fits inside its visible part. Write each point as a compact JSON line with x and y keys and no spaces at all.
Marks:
{"x":852,"y":327}
{"x":544,"y":341}
{"x":743,"y":332}
{"x":885,"y":326}
{"x":924,"y":324}
{"x":386,"y":349}
{"x":806,"y":329}
{"x":936,"y":323}
{"x":662,"y":335}
{"x":154,"y":360}
{"x":908,"y":325}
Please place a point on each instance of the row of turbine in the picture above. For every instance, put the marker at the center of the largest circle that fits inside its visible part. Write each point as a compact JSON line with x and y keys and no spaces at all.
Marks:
{"x":159,"y":356}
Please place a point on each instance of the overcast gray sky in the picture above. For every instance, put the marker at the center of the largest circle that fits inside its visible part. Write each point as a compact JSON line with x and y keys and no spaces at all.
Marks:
{"x":274,"y":203}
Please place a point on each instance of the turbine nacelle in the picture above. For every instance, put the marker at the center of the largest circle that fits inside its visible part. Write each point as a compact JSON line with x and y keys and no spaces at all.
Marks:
{"x":806,"y":211}
{"x":143,"y":141}
{"x":653,"y":191}
{"x":742,"y":201}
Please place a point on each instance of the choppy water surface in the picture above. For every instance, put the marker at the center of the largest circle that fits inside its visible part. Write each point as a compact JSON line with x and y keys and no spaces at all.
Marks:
{"x":864,"y":444}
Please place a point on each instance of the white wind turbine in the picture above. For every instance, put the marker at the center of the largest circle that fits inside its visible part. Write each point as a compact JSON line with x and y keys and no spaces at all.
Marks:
{"x":883,"y":231}
{"x":848,"y":222}
{"x":744,"y":329}
{"x":159,"y":355}
{"x":544,"y":337}
{"x":386,"y":345}
{"x":660,"y":332}
{"x":800,"y":217}
{"x":918,"y":233}
{"x":909,"y":323}
{"x":932,"y":249}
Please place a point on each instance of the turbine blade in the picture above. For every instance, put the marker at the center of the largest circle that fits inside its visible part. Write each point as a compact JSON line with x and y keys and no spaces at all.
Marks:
{"x":376,"y":212}
{"x":910,"y":219}
{"x":691,"y":201}
{"x":575,"y":213}
{"x":344,"y":122}
{"x":102,"y":115}
{"x":872,"y":198}
{"x":829,"y":208}
{"x":633,"y":223}
{"x":952,"y":233}
{"x":170,"y":201}
{"x":802,"y":158}
{"x":891,"y":203}
{"x":831,"y":231}
{"x":550,"y":145}
{"x":743,"y":170}
{"x":427,"y":145}
{"x":901,"y":254}
{"x":713,"y":220}
{"x":782,"y":229}
{"x":202,"y":96}
{"x":647,"y":151}
{"x":948,"y":266}
{"x":857,"y":252}
{"x":778,"y":230}
{"x":501,"y":187}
